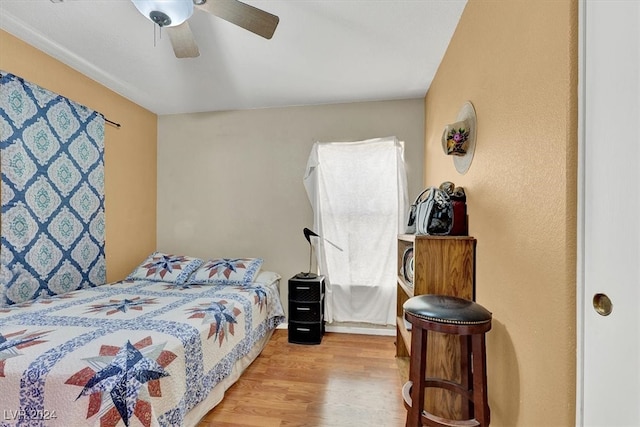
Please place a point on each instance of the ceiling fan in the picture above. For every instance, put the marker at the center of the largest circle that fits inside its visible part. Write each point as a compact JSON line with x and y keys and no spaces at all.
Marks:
{"x":173,"y":15}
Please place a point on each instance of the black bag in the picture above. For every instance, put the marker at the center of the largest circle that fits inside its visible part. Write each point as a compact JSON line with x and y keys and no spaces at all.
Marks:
{"x":431,"y":213}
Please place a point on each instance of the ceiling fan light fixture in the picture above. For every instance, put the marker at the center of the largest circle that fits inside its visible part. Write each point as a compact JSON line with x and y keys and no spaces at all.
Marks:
{"x":165,"y":13}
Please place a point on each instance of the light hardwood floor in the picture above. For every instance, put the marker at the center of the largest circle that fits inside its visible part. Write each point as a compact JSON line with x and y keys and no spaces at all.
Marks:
{"x":348,"y":380}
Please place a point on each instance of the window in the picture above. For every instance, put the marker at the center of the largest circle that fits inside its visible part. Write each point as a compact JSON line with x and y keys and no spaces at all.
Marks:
{"x":359,"y":197}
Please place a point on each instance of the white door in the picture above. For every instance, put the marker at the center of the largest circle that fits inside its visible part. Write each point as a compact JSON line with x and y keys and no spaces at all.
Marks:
{"x":609,"y":239}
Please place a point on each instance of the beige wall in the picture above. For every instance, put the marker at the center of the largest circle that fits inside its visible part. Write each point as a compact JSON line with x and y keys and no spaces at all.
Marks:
{"x":516,"y":61}
{"x":130,"y":152}
{"x":230,"y":183}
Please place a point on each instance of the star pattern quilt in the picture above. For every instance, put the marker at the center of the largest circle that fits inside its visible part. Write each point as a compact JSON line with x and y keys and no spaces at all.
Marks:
{"x":131,"y":353}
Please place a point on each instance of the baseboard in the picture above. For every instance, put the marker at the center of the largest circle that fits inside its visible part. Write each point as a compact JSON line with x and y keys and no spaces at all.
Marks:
{"x":342,"y":329}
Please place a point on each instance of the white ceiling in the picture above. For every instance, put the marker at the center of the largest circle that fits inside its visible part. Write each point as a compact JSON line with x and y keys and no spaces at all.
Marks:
{"x":329,"y":51}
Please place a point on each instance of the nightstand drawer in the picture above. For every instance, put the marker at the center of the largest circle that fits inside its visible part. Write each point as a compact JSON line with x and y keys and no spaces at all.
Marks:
{"x":305,"y":311}
{"x":305,"y":333}
{"x":307,"y":291}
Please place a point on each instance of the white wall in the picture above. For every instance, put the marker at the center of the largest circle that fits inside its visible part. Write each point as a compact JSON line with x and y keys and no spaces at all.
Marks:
{"x":230,"y":183}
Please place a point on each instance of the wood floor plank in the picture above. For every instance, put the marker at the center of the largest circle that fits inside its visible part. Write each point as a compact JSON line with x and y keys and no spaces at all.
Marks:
{"x":348,"y":380}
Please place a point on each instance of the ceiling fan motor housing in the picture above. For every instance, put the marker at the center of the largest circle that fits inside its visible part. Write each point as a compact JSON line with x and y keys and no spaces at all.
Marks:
{"x":165,"y":13}
{"x":160,"y":18}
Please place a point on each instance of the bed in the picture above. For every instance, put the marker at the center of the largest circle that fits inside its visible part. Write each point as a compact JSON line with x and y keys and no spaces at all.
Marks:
{"x":156,"y":349}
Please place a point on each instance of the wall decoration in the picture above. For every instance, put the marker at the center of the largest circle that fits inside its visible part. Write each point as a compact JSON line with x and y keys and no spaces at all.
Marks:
{"x":459,"y":138}
{"x":52,"y":176}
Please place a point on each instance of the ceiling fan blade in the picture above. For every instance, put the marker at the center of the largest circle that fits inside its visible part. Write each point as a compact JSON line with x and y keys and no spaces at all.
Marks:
{"x":243,"y":15}
{"x":184,"y":45}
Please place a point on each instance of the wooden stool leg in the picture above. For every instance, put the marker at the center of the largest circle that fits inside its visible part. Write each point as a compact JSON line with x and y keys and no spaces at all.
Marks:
{"x":417,"y":372}
{"x":465,"y":375}
{"x":480,"y":399}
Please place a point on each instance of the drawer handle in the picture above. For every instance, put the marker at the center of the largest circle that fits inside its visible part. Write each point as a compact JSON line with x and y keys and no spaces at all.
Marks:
{"x":303,"y":309}
{"x":303,"y":288}
{"x":303,"y":329}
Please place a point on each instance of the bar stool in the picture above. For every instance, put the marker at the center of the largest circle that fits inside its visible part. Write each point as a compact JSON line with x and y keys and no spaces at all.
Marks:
{"x":448,"y":315}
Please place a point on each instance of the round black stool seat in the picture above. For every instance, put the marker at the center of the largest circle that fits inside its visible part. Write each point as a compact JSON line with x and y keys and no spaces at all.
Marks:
{"x":447,"y":309}
{"x":468,"y":321}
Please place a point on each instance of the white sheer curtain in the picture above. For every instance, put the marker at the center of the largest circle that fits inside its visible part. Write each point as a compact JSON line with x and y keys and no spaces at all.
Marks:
{"x":359,"y":197}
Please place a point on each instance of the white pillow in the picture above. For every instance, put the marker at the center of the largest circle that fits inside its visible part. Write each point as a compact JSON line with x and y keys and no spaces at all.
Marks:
{"x":267,"y":277}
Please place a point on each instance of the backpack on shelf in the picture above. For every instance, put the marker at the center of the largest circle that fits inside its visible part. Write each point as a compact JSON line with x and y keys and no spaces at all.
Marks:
{"x":431,"y":213}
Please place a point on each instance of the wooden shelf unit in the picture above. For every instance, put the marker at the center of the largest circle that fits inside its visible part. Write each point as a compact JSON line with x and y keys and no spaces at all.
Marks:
{"x":443,"y":265}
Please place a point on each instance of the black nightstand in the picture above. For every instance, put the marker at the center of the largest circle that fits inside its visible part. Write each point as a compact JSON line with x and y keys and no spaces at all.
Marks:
{"x":306,"y":310}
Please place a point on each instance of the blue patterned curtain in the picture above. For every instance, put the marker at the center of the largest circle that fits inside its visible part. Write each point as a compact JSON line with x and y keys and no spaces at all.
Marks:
{"x":52,"y":177}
